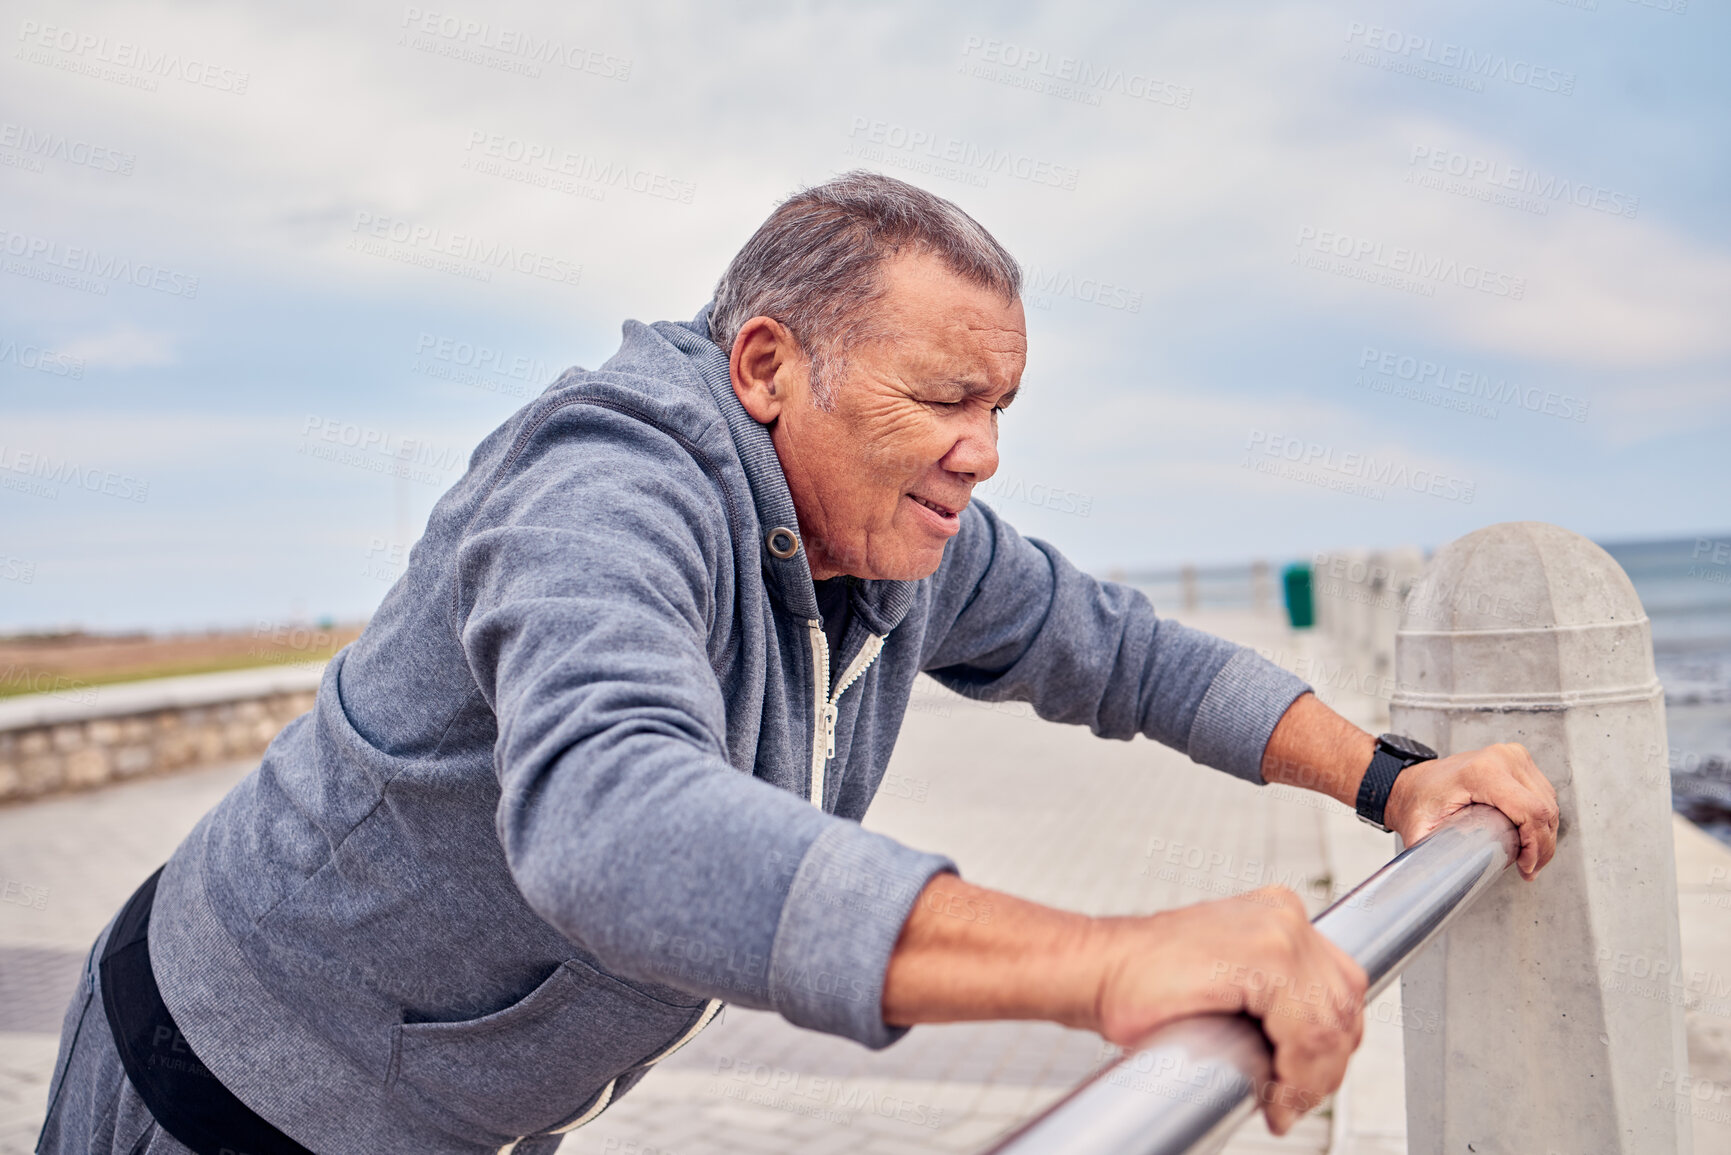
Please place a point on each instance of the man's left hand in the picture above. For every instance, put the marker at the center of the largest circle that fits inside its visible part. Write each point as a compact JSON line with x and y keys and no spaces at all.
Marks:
{"x":1502,"y":776}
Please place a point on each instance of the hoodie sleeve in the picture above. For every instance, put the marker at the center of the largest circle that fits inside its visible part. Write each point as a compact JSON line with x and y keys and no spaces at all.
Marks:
{"x":1013,"y":620}
{"x":588,"y":587}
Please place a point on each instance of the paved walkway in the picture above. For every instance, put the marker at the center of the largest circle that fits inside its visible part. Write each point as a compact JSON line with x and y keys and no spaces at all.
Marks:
{"x":66,"y":865}
{"x":1047,"y":812}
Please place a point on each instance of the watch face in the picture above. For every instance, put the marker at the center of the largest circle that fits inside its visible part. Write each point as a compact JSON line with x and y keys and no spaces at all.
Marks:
{"x":1406,"y":747}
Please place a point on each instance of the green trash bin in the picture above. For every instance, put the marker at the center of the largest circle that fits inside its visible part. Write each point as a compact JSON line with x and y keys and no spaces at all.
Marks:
{"x":1300,"y":607}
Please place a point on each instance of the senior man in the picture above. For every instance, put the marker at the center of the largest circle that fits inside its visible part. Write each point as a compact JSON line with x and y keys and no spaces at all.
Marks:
{"x":597,"y":763}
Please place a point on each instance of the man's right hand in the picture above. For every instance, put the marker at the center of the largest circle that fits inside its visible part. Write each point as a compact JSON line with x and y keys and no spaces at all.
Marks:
{"x":1256,"y":953}
{"x":967,"y":953}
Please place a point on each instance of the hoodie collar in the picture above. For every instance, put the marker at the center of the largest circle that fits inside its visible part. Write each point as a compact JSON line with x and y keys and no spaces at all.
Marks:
{"x":883,"y":604}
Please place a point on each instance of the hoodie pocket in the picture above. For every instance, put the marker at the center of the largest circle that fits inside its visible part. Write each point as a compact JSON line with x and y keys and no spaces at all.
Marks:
{"x":538,"y":1063}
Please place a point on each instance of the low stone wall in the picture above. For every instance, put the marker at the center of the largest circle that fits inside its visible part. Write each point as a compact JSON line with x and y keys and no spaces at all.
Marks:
{"x":56,"y":742}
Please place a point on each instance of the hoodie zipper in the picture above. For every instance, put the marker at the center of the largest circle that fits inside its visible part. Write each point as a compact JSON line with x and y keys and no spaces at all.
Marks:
{"x":824,"y":704}
{"x":822,"y":750}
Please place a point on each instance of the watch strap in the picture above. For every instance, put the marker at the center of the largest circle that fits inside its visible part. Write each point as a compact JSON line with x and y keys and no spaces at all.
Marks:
{"x":1378,"y":780}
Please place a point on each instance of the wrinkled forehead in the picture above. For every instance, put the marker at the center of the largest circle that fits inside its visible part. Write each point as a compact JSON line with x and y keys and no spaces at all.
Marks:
{"x":928,"y":312}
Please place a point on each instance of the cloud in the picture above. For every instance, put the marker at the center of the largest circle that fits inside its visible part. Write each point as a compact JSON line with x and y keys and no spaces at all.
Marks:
{"x":1661,"y":409}
{"x":125,"y":347}
{"x":1193,"y":209}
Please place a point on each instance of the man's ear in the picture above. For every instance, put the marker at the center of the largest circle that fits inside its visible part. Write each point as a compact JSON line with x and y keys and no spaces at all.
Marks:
{"x":764,"y":365}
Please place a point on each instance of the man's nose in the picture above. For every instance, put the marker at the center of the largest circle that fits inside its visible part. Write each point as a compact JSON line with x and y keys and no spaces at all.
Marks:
{"x":975,"y":453}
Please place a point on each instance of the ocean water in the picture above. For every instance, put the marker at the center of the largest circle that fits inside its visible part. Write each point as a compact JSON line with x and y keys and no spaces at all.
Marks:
{"x":1685,"y":585}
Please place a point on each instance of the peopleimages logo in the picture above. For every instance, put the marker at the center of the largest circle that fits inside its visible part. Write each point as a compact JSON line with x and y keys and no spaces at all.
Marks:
{"x":1718,"y":555}
{"x":15,"y":679}
{"x":88,"y":52}
{"x":1408,"y":52}
{"x":1054,"y":497}
{"x":972,"y":162}
{"x":1043,"y":284}
{"x":551,"y":161}
{"x":27,"y":356}
{"x":22,"y":894}
{"x":426,"y":245}
{"x":1403,"y":262}
{"x":37,"y":145}
{"x":384,"y":559}
{"x":1518,"y":187}
{"x":83,"y":268}
{"x":818,"y":1097}
{"x":1472,"y":384}
{"x":42,"y":473}
{"x":480,"y":366}
{"x":1359,"y":470}
{"x":444,"y":34}
{"x":1067,"y":77}
{"x":361,"y":447}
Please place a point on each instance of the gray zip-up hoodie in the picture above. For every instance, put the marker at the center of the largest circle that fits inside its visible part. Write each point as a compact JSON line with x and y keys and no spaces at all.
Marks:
{"x":592,"y":769}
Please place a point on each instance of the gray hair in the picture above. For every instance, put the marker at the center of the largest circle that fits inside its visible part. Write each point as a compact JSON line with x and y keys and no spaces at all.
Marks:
{"x":813,"y":264}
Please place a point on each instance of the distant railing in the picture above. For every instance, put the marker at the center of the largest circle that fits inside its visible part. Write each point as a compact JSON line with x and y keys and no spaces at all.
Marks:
{"x":1188,"y":1087}
{"x":1190,"y":588}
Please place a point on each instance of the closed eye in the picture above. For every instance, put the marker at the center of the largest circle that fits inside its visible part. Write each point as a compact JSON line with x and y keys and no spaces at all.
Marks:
{"x":1003,"y":402}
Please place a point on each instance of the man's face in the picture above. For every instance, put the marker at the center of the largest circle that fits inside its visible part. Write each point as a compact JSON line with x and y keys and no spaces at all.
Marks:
{"x":879,"y":480}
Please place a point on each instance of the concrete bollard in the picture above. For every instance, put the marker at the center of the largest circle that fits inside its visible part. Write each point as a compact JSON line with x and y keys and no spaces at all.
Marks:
{"x":1392,"y":575}
{"x":1554,"y":1007}
{"x":1333,"y":578}
{"x":1358,"y":597}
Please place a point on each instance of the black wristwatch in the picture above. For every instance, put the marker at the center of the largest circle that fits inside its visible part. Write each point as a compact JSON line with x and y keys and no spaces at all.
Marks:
{"x":1394,"y":753}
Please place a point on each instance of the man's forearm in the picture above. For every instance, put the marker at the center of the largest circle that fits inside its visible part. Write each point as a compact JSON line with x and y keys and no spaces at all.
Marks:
{"x":1314,"y":747}
{"x":968,"y":953}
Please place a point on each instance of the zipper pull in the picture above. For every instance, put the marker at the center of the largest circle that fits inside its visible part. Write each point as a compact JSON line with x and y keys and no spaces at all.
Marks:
{"x":830,"y":713}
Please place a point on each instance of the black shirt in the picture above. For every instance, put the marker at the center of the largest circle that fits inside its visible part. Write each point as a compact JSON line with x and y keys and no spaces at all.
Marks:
{"x":832,"y":605}
{"x":182,"y":1095}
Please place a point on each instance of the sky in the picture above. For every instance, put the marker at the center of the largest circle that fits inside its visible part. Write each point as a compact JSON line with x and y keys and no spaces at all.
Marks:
{"x":1302,"y":276}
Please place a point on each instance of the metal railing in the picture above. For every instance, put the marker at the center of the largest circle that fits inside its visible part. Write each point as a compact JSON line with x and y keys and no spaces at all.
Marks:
{"x":1189,"y":1085}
